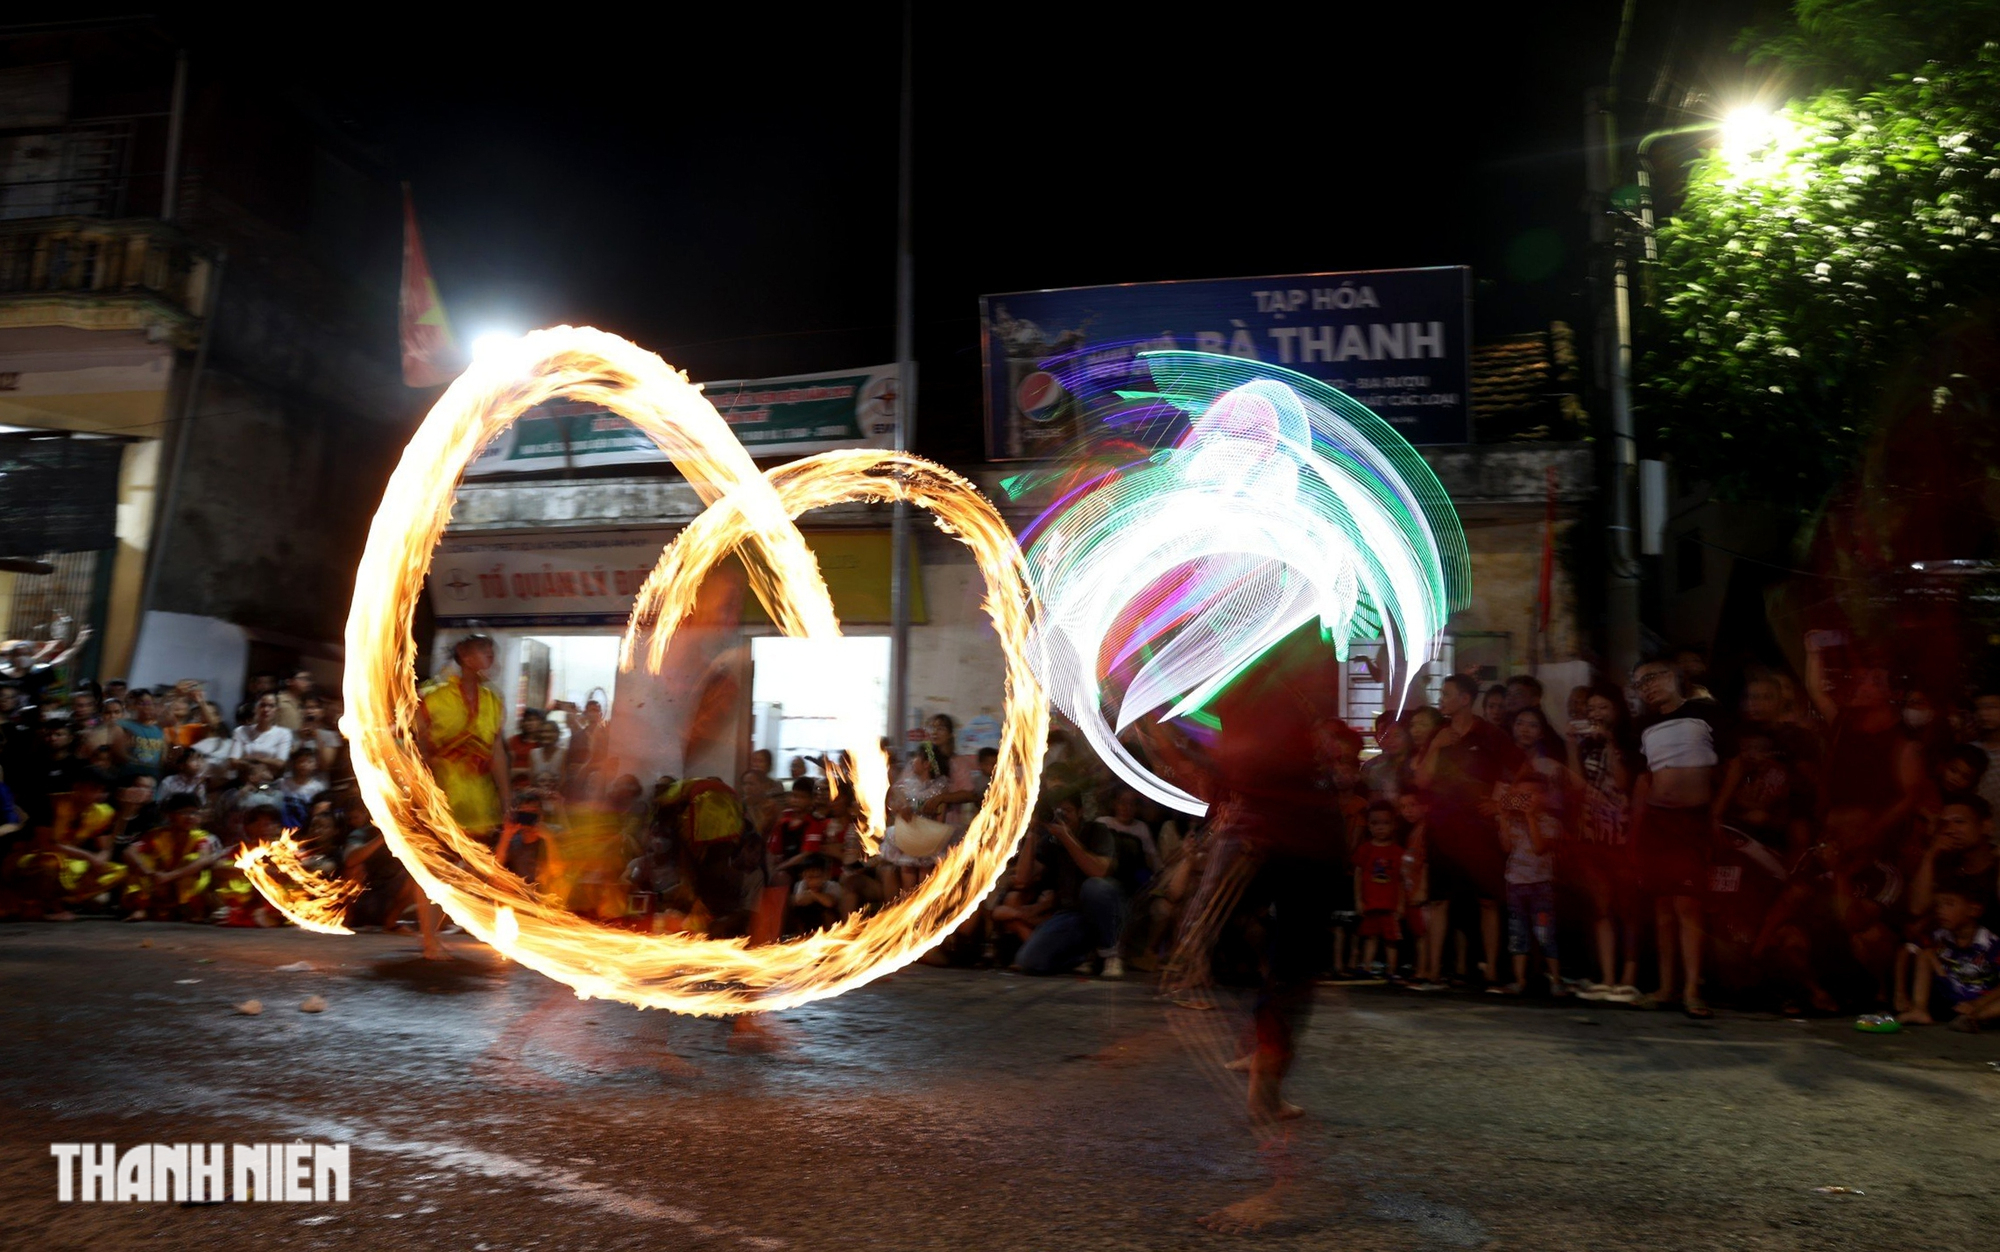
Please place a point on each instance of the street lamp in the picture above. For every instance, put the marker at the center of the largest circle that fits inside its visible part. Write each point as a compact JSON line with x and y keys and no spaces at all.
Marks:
{"x":1748,"y":129}
{"x":489,"y":342}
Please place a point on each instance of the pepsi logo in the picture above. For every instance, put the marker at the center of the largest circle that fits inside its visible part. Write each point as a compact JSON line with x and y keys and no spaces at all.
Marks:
{"x":1040,"y":396}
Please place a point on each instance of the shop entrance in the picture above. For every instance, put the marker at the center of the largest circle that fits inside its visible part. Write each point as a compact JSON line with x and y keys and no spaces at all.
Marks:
{"x":564,"y":671}
{"x":802,"y":690}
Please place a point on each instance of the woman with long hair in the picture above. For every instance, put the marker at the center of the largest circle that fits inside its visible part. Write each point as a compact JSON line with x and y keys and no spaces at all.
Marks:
{"x":959,"y":771}
{"x":1420,"y":726}
{"x":907,"y":855}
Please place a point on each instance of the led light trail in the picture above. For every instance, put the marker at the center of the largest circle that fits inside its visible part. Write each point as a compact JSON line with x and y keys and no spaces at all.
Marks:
{"x":1285,"y":501}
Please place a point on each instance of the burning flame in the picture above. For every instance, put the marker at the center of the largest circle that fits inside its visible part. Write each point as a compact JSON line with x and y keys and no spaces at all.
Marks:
{"x":308,"y":900}
{"x":749,"y":514}
{"x":506,"y":931}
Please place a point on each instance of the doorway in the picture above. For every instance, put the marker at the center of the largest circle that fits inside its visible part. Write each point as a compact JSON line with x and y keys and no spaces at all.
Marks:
{"x":803,"y":690}
{"x":558,"y":670}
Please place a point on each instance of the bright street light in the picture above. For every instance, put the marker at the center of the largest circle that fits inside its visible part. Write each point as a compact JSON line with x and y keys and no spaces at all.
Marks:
{"x":491,"y":341}
{"x":1750,"y":130}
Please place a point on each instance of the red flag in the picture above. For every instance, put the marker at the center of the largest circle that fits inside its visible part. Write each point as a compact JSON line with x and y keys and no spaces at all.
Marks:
{"x":430,"y":355}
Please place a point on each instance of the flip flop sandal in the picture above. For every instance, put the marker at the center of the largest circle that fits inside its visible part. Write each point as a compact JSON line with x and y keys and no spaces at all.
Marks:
{"x":1698,"y":1009}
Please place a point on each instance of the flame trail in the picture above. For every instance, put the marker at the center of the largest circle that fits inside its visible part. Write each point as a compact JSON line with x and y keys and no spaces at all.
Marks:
{"x":749,"y":514}
{"x":308,"y":900}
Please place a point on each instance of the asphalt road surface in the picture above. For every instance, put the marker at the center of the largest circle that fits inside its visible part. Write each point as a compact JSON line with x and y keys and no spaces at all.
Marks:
{"x":489,"y":1109}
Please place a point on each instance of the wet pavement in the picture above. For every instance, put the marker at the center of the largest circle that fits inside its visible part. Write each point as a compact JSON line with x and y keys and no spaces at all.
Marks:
{"x":490,"y":1109}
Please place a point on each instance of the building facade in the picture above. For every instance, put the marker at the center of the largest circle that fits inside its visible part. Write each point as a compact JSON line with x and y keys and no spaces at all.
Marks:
{"x":550,"y":567}
{"x":203,"y":274}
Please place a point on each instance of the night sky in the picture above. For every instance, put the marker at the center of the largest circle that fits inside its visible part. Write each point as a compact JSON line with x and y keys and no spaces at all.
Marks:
{"x":720,"y":187}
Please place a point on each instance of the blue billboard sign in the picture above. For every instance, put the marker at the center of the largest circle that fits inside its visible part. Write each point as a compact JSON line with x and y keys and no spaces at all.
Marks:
{"x":1399,"y":341}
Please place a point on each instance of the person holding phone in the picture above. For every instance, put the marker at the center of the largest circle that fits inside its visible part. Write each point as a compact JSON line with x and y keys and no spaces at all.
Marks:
{"x":1089,"y":910}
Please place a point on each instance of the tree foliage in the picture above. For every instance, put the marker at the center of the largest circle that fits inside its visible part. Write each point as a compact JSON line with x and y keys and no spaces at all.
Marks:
{"x":1858,"y":43}
{"x":1804,"y":276}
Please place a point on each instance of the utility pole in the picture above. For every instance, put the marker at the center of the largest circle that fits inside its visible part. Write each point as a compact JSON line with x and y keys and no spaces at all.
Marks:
{"x":1601,"y":157}
{"x":906,"y":415}
{"x":176,"y":121}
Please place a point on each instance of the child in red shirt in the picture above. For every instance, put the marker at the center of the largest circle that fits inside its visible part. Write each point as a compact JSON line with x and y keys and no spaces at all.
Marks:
{"x":796,"y":832}
{"x":1378,"y":881}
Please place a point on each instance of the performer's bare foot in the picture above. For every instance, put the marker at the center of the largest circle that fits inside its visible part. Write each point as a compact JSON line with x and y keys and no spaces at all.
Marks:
{"x":1267,"y":1101}
{"x":428,"y":917}
{"x":1241,"y":1065}
{"x":748,"y":1034}
{"x":1248,"y":1216}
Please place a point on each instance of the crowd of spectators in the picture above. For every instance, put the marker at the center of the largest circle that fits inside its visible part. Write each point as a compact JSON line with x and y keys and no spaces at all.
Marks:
{"x":1816,"y":845}
{"x":131,"y":801}
{"x":1812,"y":846}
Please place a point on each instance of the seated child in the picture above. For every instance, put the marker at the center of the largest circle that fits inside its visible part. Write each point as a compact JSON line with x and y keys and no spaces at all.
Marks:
{"x":1958,"y":972}
{"x":815,"y":902}
{"x":71,"y":861}
{"x":173,"y":867}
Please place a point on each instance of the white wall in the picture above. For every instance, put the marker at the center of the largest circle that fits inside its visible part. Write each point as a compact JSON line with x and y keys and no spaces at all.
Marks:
{"x":173,"y":646}
{"x":955,"y":661}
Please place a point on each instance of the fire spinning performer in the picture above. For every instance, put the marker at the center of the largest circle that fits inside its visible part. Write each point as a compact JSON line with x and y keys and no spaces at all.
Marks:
{"x":1284,"y":522}
{"x":1276,"y":838}
{"x":459,"y":717}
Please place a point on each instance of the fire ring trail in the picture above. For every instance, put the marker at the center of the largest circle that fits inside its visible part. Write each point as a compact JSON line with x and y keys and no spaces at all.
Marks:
{"x":751,"y":514}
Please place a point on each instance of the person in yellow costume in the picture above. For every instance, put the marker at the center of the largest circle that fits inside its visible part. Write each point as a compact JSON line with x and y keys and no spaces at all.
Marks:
{"x":70,"y":860}
{"x":173,"y":867}
{"x":459,"y":718}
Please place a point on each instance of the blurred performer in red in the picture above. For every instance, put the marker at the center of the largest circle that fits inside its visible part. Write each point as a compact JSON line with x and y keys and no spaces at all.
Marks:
{"x":1277,"y":843}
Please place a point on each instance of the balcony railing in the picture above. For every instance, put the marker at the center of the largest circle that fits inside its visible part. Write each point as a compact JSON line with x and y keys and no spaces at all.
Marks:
{"x":140,"y":264}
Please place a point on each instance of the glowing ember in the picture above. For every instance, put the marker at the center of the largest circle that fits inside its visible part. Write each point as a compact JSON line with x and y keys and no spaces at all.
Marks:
{"x":308,"y":900}
{"x":749,"y":514}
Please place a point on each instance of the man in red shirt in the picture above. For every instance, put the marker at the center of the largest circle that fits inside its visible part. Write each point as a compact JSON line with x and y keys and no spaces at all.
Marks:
{"x":1459,"y":769}
{"x":1278,"y":836}
{"x":1275,"y":838}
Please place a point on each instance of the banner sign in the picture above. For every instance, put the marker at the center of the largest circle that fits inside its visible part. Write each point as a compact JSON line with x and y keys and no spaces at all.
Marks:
{"x":1399,"y":341}
{"x":591,"y":578}
{"x":790,"y":416}
{"x":588,"y":579}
